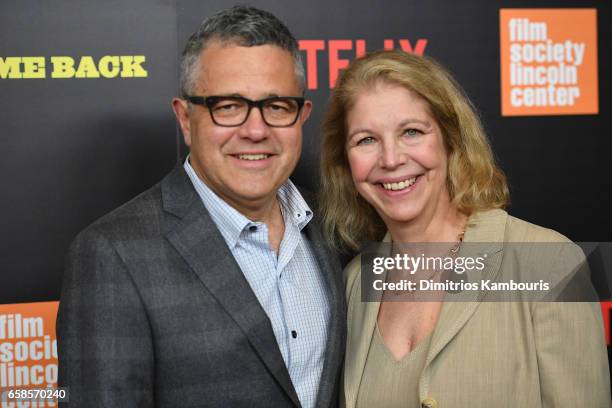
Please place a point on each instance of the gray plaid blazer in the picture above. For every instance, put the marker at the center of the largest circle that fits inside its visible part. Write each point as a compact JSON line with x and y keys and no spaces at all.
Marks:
{"x":155,"y":311}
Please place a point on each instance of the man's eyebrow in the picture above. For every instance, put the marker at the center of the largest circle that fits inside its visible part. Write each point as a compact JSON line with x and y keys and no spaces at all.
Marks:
{"x":238,"y":95}
{"x":231,"y":95}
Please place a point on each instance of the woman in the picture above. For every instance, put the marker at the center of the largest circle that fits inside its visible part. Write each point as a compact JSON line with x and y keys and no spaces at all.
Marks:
{"x":404,"y":152}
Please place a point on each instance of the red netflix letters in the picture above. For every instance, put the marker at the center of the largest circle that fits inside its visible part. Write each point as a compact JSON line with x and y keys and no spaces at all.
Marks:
{"x":336,"y":63}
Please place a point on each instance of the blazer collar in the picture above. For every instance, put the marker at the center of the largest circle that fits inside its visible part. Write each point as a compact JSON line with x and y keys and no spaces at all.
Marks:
{"x":199,"y":242}
{"x":178,"y":194}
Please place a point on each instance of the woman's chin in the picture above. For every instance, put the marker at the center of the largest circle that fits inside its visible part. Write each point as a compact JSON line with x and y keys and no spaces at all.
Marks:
{"x":400,"y":216}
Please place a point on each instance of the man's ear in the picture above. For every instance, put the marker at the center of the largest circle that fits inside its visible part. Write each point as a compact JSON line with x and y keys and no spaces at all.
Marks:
{"x":306,"y":110}
{"x":181,"y":111}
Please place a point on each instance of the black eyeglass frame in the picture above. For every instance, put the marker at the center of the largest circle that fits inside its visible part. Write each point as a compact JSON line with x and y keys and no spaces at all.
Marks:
{"x":209,"y":102}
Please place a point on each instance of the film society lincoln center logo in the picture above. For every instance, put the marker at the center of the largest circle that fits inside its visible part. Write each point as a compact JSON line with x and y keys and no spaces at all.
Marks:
{"x":28,"y":349}
{"x":548,"y":61}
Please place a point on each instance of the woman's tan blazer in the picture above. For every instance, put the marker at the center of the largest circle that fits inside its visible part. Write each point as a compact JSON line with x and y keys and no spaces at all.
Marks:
{"x":497,"y":354}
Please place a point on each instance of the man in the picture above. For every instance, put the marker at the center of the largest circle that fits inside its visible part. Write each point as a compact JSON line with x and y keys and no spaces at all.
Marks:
{"x":213,"y":288}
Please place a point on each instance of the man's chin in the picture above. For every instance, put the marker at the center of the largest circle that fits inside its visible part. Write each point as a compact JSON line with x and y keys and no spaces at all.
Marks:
{"x":253,"y":195}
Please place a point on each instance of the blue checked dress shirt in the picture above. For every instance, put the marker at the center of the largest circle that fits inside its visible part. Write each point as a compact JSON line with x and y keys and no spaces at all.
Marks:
{"x":290,"y":287}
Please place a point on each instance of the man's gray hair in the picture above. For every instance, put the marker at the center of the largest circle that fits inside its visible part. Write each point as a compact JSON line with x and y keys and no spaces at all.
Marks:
{"x":240,"y":25}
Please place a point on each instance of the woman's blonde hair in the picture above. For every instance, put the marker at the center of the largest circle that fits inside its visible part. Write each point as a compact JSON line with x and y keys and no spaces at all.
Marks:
{"x":474,"y":181}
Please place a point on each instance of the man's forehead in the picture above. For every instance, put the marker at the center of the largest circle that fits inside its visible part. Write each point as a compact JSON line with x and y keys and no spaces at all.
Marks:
{"x":229,"y":68}
{"x":219,"y":52}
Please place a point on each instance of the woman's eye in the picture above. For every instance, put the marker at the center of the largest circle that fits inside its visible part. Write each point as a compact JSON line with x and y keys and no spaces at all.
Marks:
{"x":365,"y":140}
{"x":412,"y":132}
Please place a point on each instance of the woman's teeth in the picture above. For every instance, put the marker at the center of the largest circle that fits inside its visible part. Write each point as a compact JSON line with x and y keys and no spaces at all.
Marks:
{"x":399,"y":186}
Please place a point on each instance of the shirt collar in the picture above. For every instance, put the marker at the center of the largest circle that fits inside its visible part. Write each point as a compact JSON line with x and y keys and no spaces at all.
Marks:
{"x":231,"y":222}
{"x":294,"y":206}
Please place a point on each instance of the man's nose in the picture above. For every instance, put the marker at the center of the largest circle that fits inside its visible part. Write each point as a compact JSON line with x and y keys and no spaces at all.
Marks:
{"x":254,"y":128}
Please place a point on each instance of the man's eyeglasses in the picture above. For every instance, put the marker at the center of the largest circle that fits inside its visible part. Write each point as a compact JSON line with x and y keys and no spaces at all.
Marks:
{"x":229,"y":111}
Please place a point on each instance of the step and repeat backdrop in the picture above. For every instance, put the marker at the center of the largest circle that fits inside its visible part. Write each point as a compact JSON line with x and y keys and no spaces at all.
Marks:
{"x":86,"y":121}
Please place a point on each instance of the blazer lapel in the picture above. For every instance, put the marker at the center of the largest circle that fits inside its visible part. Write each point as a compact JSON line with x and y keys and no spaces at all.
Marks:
{"x":364,"y":315}
{"x":199,"y":242}
{"x":363,"y":321}
{"x":334,"y":352}
{"x":488,"y":229}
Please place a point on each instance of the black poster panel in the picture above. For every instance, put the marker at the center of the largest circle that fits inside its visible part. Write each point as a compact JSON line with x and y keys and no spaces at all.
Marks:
{"x":74,"y":148}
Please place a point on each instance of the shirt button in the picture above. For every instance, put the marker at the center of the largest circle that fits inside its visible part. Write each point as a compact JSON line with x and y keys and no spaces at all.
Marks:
{"x":252,"y":228}
{"x":429,"y":403}
{"x":294,"y":334}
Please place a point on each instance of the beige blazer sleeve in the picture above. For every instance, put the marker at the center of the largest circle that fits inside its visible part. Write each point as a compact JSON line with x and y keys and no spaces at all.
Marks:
{"x":570,"y":347}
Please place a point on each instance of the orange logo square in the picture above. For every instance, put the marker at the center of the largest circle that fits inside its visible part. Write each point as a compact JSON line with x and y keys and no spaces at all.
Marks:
{"x":548,"y":61}
{"x":28,"y":346}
